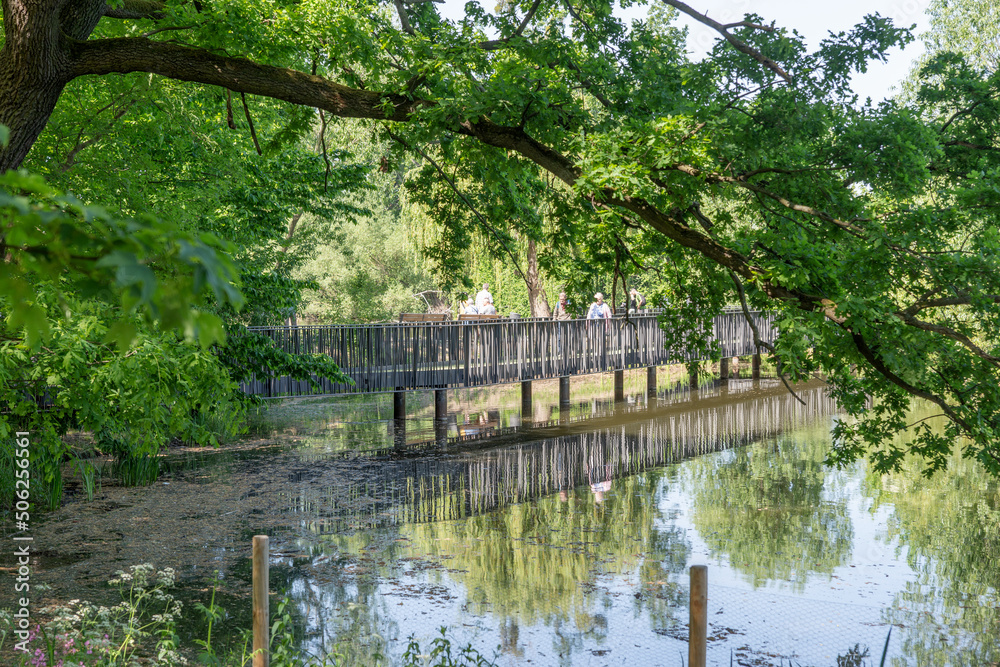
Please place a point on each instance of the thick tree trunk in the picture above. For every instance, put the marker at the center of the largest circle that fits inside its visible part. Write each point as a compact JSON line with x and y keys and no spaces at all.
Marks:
{"x":34,"y":69}
{"x":536,"y":291}
{"x":26,"y":102}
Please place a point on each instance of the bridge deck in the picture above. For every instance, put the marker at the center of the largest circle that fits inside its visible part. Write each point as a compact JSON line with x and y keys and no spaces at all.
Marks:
{"x":399,"y":357}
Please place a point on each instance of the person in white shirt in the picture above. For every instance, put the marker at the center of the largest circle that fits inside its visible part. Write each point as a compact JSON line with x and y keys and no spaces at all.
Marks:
{"x":482,"y":296}
{"x":599,"y":310}
{"x":488,"y":308}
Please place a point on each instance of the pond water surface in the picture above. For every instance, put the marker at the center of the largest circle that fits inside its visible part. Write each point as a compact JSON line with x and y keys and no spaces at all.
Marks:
{"x":565,"y":538}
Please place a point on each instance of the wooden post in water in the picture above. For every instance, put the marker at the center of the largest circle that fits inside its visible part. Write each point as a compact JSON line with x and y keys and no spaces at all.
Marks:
{"x":651,"y":380}
{"x":261,"y":613}
{"x":619,"y":386}
{"x":526,"y":410}
{"x":755,"y":366}
{"x":698,"y":622}
{"x":724,"y":369}
{"x":440,"y":405}
{"x":564,"y":391}
{"x":693,"y":377}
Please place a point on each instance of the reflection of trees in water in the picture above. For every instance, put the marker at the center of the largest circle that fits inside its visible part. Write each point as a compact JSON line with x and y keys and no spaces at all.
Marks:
{"x":528,"y":563}
{"x":763,"y":506}
{"x":542,"y":561}
{"x":949,"y":525}
{"x":345,"y":615}
{"x":534,"y":539}
{"x":422,"y":489}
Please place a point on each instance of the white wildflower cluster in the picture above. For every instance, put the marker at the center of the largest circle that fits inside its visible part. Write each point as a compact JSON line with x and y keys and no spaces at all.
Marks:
{"x":138,"y":576}
{"x":80,"y":633}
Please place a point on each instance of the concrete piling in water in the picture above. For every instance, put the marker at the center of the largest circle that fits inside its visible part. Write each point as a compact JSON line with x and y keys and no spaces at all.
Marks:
{"x":399,"y":405}
{"x":440,"y":405}
{"x":564,"y":390}
{"x":651,"y":380}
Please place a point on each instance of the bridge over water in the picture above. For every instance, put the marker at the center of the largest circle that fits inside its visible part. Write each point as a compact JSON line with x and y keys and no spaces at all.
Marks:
{"x":443,"y":355}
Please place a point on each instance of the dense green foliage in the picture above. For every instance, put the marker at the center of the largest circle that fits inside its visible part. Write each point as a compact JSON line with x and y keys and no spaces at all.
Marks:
{"x":133,"y":328}
{"x":754,"y":174}
{"x":79,"y":287}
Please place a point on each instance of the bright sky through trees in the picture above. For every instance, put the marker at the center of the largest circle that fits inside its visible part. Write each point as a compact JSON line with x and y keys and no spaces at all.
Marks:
{"x":814,"y":20}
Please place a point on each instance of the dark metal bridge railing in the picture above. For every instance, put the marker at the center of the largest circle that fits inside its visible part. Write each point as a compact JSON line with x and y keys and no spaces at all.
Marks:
{"x":400,"y":357}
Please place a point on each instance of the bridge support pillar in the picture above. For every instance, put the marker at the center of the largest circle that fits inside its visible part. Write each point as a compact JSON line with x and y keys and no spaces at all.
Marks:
{"x":441,"y":432}
{"x":526,"y":410}
{"x":651,"y":380}
{"x":399,"y":405}
{"x":755,"y":366}
{"x":693,"y":377}
{"x":564,"y":391}
{"x":440,"y":405}
{"x":399,"y":433}
{"x":724,"y":369}
{"x":619,"y":386}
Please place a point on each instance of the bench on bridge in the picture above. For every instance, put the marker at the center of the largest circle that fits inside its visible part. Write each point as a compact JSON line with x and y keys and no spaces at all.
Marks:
{"x":474,"y":317}
{"x":424,"y":317}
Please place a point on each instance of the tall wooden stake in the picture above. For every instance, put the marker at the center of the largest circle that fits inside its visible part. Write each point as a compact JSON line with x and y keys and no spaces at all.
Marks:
{"x":698,"y":624}
{"x":261,"y":613}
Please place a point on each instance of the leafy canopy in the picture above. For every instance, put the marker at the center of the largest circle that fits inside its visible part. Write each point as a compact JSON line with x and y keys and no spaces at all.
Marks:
{"x":754,"y":175}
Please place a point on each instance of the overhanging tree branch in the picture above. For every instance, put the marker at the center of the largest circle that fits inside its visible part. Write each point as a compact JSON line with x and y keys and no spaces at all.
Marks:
{"x":493,"y":44}
{"x":404,"y":19}
{"x":759,"y":342}
{"x":961,"y":300}
{"x":878,"y":364}
{"x":184,"y":63}
{"x":738,"y":44}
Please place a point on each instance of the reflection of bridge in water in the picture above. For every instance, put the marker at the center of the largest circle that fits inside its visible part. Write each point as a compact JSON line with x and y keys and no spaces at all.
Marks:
{"x":559,"y":458}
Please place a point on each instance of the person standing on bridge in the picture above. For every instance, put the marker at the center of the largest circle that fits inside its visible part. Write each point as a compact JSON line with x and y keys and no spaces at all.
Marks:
{"x":561,"y":312}
{"x":599,"y":310}
{"x":483,"y":296}
{"x":636,"y":301}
